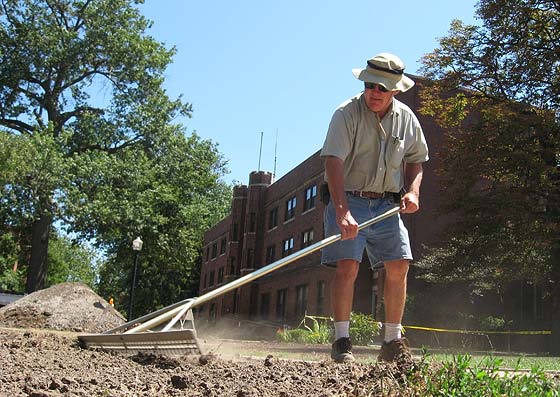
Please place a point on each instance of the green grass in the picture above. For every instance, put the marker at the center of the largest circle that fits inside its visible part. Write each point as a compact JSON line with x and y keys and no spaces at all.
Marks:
{"x":463,"y":376}
{"x":522,"y":362}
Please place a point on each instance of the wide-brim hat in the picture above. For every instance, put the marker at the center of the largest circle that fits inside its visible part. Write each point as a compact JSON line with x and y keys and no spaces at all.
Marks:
{"x":385,"y":69}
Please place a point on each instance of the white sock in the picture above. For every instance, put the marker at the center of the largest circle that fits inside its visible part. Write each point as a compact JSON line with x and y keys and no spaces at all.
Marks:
{"x":392,"y":331}
{"x":341,"y":329}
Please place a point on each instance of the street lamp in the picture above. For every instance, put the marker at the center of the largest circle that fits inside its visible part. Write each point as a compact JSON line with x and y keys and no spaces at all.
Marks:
{"x":136,"y":247}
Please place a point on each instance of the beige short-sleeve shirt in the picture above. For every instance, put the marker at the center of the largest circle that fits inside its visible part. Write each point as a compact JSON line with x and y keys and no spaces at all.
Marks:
{"x":373,"y":156}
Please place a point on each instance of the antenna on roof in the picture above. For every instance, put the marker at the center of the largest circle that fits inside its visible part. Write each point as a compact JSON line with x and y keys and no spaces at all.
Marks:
{"x":260,"y":151}
{"x":275,"y":149}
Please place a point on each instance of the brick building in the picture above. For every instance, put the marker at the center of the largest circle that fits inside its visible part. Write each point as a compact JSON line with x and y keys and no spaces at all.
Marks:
{"x":271,"y":220}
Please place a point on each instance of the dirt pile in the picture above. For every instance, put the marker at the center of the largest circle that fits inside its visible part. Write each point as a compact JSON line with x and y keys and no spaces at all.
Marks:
{"x":50,"y":363}
{"x":66,"y":307}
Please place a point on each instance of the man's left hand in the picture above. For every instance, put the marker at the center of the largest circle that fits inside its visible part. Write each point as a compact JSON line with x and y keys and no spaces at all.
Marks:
{"x":410,"y":203}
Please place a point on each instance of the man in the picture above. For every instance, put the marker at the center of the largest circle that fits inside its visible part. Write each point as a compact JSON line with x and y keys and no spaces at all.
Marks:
{"x":373,"y":152}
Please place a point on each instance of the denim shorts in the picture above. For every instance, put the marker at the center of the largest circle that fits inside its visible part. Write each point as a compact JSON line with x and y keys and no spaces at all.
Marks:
{"x":384,"y":241}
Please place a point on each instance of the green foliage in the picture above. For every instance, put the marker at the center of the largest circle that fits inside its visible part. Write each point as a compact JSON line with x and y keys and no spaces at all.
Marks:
{"x":363,"y":328}
{"x":170,"y":201}
{"x":461,"y":377}
{"x":11,"y":280}
{"x":492,"y":323}
{"x":70,"y":262}
{"x":316,"y":330}
{"x":495,"y":89}
{"x":89,"y":142}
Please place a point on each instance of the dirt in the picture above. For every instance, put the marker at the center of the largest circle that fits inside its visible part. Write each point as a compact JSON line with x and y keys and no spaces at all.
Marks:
{"x":65,"y":306}
{"x":40,"y":356}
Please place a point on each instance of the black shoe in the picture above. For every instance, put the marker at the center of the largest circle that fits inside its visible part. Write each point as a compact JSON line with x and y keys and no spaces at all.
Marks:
{"x":342,"y":351}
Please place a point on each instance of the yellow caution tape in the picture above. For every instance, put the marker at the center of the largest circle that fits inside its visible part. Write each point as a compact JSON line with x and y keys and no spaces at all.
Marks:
{"x":464,"y":331}
{"x":459,"y":331}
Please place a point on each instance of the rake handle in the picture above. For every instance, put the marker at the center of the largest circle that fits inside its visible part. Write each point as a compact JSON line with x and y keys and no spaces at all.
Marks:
{"x":272,"y":267}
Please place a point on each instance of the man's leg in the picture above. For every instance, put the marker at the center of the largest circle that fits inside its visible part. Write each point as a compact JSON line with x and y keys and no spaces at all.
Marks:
{"x":342,"y":290}
{"x":395,"y":290}
{"x":395,"y":348}
{"x":342,"y":294}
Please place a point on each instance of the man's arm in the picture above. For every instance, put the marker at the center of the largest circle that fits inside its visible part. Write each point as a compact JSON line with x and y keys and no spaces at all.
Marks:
{"x":334,"y":169}
{"x":410,"y":202}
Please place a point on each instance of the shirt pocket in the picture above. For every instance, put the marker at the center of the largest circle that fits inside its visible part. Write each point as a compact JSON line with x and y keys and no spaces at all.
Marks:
{"x":396,"y":153}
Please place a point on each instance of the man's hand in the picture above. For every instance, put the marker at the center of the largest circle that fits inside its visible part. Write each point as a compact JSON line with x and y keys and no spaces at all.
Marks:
{"x":347,"y":225}
{"x":410,"y":203}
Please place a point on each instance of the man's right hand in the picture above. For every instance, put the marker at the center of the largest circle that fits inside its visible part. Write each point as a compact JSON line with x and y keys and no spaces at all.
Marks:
{"x":347,"y":225}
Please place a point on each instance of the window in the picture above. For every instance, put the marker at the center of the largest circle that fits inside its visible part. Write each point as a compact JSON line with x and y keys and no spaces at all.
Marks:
{"x":265,"y":303}
{"x":273,"y":218}
{"x":281,"y":304}
{"x":220,"y":275}
{"x":290,"y":208}
{"x":235,"y":232}
{"x":307,"y":238}
{"x":301,"y":300}
{"x":214,"y":250}
{"x":320,"y":298}
{"x":288,"y":246}
{"x":205,"y":280}
{"x":211,"y":281}
{"x":223,"y":244}
{"x":207,"y":253}
{"x":270,"y":254}
{"x":310,"y":194}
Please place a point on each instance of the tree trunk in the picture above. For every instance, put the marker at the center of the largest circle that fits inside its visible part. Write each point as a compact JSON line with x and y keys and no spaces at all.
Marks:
{"x":37,"y":272}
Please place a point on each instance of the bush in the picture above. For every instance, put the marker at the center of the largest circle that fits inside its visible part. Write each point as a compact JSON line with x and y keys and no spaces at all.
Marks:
{"x":363,"y":329}
{"x":492,"y":323}
{"x":318,"y":331}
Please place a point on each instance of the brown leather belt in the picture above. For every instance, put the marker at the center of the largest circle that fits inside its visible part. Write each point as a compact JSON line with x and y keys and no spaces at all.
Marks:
{"x":369,"y":195}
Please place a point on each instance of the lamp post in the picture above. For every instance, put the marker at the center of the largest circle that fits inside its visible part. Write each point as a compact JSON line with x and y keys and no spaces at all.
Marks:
{"x":136,"y":247}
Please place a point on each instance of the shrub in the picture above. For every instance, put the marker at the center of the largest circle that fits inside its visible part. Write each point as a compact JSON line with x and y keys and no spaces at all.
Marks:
{"x":318,"y":331}
{"x":363,"y":329}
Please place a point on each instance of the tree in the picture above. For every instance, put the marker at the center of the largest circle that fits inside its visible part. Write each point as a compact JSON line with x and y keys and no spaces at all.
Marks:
{"x":87,"y":137}
{"x":166,"y":193}
{"x":497,"y":92}
{"x":69,"y":261}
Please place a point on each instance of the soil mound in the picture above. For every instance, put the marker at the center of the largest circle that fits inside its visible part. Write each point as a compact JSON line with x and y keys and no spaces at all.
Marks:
{"x":64,"y":307}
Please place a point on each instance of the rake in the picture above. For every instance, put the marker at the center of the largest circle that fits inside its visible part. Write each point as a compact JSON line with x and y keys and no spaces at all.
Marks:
{"x":171,"y":331}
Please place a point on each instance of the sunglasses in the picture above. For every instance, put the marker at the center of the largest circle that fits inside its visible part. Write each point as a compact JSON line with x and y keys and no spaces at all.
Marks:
{"x":372,"y":86}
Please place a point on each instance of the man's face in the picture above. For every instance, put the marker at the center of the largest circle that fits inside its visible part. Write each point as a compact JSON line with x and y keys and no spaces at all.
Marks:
{"x":378,"y":99}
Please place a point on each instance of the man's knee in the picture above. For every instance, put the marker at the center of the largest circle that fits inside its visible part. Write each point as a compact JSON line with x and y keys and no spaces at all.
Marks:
{"x":347,"y":270}
{"x":397,"y":270}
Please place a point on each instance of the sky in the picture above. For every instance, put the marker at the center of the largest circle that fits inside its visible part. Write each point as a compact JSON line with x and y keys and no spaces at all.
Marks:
{"x":275,"y":71}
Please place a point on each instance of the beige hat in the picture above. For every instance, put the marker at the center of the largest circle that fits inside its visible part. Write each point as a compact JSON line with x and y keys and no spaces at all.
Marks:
{"x":385,"y":69}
